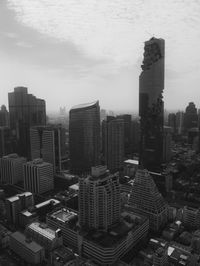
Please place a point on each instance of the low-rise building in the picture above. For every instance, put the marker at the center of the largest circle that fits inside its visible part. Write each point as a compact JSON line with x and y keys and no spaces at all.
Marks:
{"x":27,"y":249}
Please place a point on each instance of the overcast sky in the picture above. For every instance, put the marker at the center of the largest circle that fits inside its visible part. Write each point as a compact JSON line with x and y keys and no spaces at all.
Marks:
{"x":75,"y":51}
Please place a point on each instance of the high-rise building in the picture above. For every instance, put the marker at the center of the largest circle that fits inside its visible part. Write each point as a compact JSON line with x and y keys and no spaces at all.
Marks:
{"x":11,"y":168}
{"x":99,"y":199}
{"x":127,"y":133}
{"x":179,"y":122}
{"x":48,"y":142}
{"x":113,"y":142}
{"x":84,"y":137}
{"x":190,"y":117}
{"x":4,"y":117}
{"x":151,"y":86}
{"x":135,"y":136}
{"x":38,"y":176}
{"x":146,"y":199}
{"x":172,"y":122}
{"x":25,"y":111}
{"x":167,"y":141}
{"x":7,"y":142}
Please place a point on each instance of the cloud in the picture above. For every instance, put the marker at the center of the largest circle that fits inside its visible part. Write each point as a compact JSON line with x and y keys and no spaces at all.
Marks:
{"x":24,"y":44}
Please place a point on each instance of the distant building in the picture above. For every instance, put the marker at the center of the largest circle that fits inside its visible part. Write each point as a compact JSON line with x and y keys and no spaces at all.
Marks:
{"x":113,"y":143}
{"x":27,"y":249}
{"x":167,"y":142}
{"x":48,"y":142}
{"x":25,"y":111}
{"x":127,"y":133}
{"x":7,"y":142}
{"x":190,"y":116}
{"x":4,"y":117}
{"x":179,"y":122}
{"x":84,"y":137}
{"x":38,"y":176}
{"x":130,"y":167}
{"x":135,"y":136}
{"x":172,"y":122}
{"x":99,"y":199}
{"x":11,"y":168}
{"x":151,"y":106}
{"x":146,"y":199}
{"x":14,"y":205}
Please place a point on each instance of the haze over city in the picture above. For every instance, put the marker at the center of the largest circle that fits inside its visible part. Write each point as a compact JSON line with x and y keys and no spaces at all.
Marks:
{"x":71,"y":52}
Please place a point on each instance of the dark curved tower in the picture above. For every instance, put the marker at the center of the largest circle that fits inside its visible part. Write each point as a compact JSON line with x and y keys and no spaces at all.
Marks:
{"x":151,"y":86}
{"x":84,"y":137}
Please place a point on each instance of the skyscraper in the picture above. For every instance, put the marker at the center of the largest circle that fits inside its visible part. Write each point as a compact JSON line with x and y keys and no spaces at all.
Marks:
{"x":99,"y":199}
{"x":48,"y":142}
{"x":25,"y":111}
{"x":190,"y":117}
{"x":127,"y":133}
{"x":38,"y":176}
{"x":146,"y":199}
{"x":7,"y":143}
{"x":113,"y":142}
{"x":84,"y":137}
{"x":4,"y":117}
{"x":151,"y":86}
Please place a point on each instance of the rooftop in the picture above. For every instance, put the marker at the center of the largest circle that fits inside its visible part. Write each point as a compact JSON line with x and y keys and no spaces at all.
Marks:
{"x":32,"y":245}
{"x":131,"y":161}
{"x":44,"y":203}
{"x":64,"y":215}
{"x":84,"y":105}
{"x":43,"y":229}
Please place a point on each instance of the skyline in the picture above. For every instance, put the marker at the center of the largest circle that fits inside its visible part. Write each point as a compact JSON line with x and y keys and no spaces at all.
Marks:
{"x":75,"y":50}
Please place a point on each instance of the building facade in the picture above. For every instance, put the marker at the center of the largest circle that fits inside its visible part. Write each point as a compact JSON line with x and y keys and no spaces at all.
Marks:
{"x":25,"y":111}
{"x":99,"y":199}
{"x":38,"y":176}
{"x":113,"y":143}
{"x":151,"y":106}
{"x":84,"y":137}
{"x":48,"y":142}
{"x":11,"y":168}
{"x":146,"y":199}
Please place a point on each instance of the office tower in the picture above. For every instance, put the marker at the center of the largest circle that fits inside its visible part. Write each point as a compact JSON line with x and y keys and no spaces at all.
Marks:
{"x":38,"y":176}
{"x":160,"y":257}
{"x":31,"y":252}
{"x":127,"y":133}
{"x":172,"y":122}
{"x":14,"y":205}
{"x":7,"y":142}
{"x":4,"y":117}
{"x":167,"y":141}
{"x":25,"y":111}
{"x":135,"y":136}
{"x":44,"y":235}
{"x":146,"y":199}
{"x":99,"y":199}
{"x":48,"y":142}
{"x":11,"y":168}
{"x":84,"y":137}
{"x":113,"y":143}
{"x":179,"y":122}
{"x":190,"y":117}
{"x":151,"y":86}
